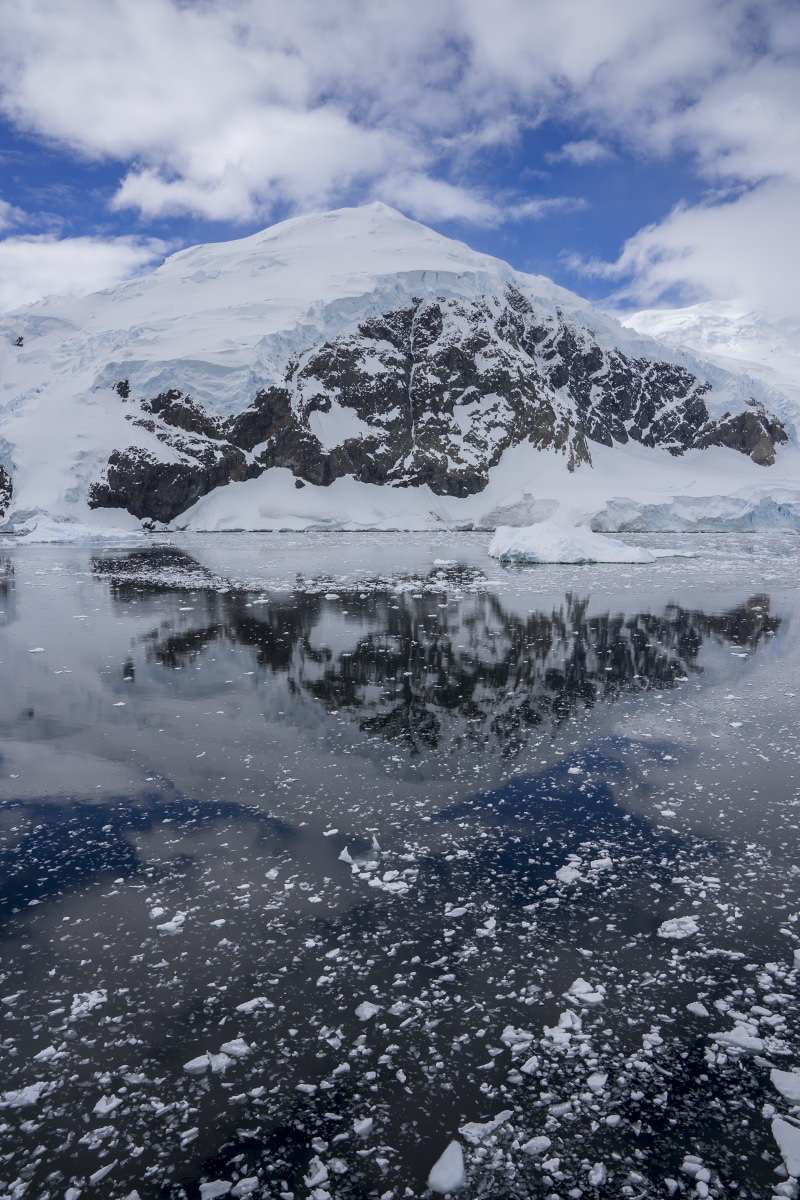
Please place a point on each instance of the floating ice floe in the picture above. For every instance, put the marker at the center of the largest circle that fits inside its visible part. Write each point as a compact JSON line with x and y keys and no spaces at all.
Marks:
{"x":584,"y":993}
{"x":536,"y":1145}
{"x":678,"y":928}
{"x":22,"y":1097}
{"x":741,"y":1037}
{"x":568,"y":874}
{"x":558,"y":542}
{"x":174,"y":926}
{"x":447,"y":1173}
{"x":787,"y":1135}
{"x":248,"y":1006}
{"x":367,"y":1010}
{"x":787,"y":1083}
{"x":476,"y":1132}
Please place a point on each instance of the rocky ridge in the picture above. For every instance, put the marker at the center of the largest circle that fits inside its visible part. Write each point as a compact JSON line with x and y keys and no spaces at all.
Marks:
{"x":430,"y":392}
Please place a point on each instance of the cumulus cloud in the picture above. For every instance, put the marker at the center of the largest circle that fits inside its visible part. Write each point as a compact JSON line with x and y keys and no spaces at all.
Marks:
{"x":32,"y":267}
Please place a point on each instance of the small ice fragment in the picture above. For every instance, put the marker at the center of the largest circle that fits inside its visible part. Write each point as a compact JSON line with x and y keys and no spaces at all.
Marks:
{"x":530,"y":1066}
{"x":788,"y":1138}
{"x":537,"y":1145}
{"x":698,"y":1009}
{"x":174,"y":926}
{"x":345,"y":856}
{"x":362,"y":1127}
{"x":248,"y":1006}
{"x":597,"y":1081}
{"x":455,"y":912}
{"x":787,"y":1083}
{"x":447,"y":1173}
{"x":238,"y":1048}
{"x":106,"y":1105}
{"x":100,"y":1174}
{"x":515,"y":1037}
{"x":602,"y":864}
{"x":217,"y":1187}
{"x":84,"y":1002}
{"x":36,"y":650}
{"x":598,"y":1174}
{"x":678,"y":928}
{"x":46,"y":1054}
{"x":366,"y":1010}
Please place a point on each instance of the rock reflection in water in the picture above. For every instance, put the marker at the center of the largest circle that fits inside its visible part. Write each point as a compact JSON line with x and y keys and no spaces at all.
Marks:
{"x":427,"y":674}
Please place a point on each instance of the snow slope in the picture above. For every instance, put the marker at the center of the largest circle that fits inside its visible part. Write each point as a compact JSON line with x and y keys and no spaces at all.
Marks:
{"x":222,"y":321}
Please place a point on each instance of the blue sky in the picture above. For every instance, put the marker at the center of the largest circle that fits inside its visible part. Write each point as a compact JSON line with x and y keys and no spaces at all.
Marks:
{"x":639,"y":152}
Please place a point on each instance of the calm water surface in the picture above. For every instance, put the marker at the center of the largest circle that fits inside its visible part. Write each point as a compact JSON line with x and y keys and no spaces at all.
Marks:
{"x":319,"y":853}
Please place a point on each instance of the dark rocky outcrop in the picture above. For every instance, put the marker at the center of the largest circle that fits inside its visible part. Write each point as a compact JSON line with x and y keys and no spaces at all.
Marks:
{"x":6,"y":490}
{"x":430,"y":393}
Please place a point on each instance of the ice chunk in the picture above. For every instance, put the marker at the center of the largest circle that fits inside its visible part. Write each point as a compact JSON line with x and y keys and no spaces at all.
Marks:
{"x":447,"y":1173}
{"x":22,"y":1097}
{"x":787,"y":1083}
{"x":106,"y":1105}
{"x":238,"y":1048}
{"x":245,"y":1187}
{"x":741,"y":1037}
{"x":248,"y":1006}
{"x":515,"y":1037}
{"x":584,"y":993}
{"x":196,"y":1066}
{"x":698,"y":1009}
{"x":367,"y":1010}
{"x":174,"y":926}
{"x":598,"y":1174}
{"x":364,"y":1126}
{"x":597,"y":1081}
{"x":537,"y":1145}
{"x":567,"y":874}
{"x":678,"y":928}
{"x":317,"y":1173}
{"x":84,"y":1002}
{"x":217,"y":1187}
{"x":555,"y":541}
{"x":787,"y":1135}
{"x":475,"y":1132}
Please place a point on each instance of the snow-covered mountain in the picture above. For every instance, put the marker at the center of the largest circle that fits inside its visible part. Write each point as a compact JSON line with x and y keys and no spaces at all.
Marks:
{"x":355,"y":369}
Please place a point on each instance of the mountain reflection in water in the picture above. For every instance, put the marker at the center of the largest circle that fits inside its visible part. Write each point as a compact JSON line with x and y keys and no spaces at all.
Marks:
{"x":424,"y":673}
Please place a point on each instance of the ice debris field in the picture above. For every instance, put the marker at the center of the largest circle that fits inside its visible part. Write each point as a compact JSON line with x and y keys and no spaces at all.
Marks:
{"x":433,"y":877}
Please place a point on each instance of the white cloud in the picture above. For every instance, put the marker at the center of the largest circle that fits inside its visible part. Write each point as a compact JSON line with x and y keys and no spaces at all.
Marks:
{"x":231,"y":109}
{"x":587,"y":150}
{"x":743,"y":248}
{"x":32,"y":267}
{"x":9,"y":215}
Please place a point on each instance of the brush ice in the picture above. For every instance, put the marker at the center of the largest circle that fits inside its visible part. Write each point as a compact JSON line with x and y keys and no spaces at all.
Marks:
{"x":557,"y":542}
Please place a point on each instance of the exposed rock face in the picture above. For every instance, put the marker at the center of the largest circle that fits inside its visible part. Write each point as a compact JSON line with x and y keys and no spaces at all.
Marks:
{"x":6,"y":490}
{"x":429,"y":393}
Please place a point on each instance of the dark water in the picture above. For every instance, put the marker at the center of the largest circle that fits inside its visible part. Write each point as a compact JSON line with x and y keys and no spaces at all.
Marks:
{"x":385,"y":841}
